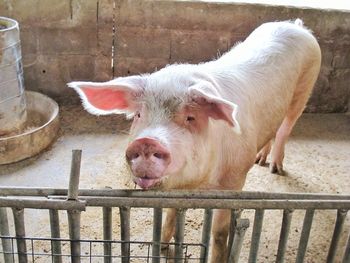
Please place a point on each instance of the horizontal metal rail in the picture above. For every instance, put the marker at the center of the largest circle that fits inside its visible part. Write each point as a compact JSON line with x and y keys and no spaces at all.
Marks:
{"x":170,"y":203}
{"x":212,"y":194}
{"x":36,"y":203}
{"x":216,"y":203}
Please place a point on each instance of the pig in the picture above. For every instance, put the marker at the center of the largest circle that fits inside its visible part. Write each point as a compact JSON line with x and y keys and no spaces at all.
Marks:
{"x":204,"y":126}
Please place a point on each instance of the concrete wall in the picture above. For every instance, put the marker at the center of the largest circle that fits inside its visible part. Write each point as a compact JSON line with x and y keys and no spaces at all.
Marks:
{"x":72,"y":40}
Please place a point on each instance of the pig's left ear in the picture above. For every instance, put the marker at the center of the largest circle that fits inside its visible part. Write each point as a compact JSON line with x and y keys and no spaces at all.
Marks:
{"x":216,"y":107}
{"x":115,"y":96}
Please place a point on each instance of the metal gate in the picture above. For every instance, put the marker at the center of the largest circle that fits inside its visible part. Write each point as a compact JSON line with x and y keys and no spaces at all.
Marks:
{"x":20,"y":247}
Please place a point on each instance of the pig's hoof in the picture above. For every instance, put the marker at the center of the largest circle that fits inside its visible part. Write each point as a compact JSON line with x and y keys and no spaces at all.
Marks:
{"x":168,"y":252}
{"x":261,"y":159}
{"x":276,"y":168}
{"x":164,"y":246}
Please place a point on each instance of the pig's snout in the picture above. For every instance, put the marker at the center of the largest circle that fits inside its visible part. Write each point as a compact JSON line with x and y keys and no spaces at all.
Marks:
{"x":148,"y":159}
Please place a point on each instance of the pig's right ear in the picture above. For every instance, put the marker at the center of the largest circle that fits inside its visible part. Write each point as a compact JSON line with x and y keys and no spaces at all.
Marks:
{"x":116,"y":96}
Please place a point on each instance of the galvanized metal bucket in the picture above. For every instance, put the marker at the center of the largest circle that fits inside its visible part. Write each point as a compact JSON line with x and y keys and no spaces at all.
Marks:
{"x":12,"y":98}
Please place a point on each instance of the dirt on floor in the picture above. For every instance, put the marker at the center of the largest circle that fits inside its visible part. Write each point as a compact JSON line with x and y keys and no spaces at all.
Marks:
{"x":317,"y":160}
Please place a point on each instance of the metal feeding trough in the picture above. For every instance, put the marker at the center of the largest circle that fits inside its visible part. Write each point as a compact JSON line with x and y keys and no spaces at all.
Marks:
{"x":28,"y":120}
{"x":12,"y":100}
{"x":39,"y":130}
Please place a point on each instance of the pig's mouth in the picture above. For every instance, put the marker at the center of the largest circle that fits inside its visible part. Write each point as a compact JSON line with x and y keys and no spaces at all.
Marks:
{"x":147,"y":182}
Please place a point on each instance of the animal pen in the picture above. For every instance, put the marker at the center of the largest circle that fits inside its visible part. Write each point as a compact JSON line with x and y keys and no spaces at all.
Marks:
{"x":20,"y":247}
{"x":101,"y":39}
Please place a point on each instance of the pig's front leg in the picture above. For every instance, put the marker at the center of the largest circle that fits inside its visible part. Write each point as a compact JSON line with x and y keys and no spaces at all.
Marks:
{"x":168,"y":229}
{"x":221,"y":225}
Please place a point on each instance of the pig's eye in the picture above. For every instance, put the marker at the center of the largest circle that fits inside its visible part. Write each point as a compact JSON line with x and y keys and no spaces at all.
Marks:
{"x":138,"y":115}
{"x":190,"y":118}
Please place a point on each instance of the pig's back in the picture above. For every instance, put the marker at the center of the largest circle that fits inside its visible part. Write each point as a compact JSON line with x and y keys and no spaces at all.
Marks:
{"x":260,"y":74}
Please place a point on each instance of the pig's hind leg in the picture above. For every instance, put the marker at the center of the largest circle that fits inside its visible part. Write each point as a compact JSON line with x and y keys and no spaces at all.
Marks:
{"x":295,"y":109}
{"x":263,"y":153}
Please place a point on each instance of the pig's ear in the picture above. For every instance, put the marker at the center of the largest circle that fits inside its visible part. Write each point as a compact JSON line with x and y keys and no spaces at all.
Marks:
{"x":115,"y":96}
{"x":216,"y":107}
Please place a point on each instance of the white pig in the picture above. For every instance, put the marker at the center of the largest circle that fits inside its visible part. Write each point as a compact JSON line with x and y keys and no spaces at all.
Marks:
{"x":204,"y":126}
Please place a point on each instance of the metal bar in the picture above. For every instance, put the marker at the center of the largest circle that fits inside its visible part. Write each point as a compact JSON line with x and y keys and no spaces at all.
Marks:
{"x":305,"y":233}
{"x":18,"y":216}
{"x":173,"y":203}
{"x":74,"y":234}
{"x":55,"y":233}
{"x":217,"y":203}
{"x":341,"y":215}
{"x":215,"y":194}
{"x":254,"y":247}
{"x":148,"y":253}
{"x":207,"y":224}
{"x":30,"y":191}
{"x":90,"y":252}
{"x":241,"y":226}
{"x":285,"y":228}
{"x":179,"y":234}
{"x":21,"y":203}
{"x":125,"y":233}
{"x":5,"y":232}
{"x":346,"y":257}
{"x":74,"y":175}
{"x":107,"y":234}
{"x":235,"y":214}
{"x":32,"y":248}
{"x":157,"y":231}
{"x":74,"y":216}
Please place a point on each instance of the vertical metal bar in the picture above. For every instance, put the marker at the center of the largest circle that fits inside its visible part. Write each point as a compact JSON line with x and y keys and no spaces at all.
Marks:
{"x":74,"y":234}
{"x":157,"y":231}
{"x":285,"y":228}
{"x":240,"y":228}
{"x":187,"y":257}
{"x":346,"y":257}
{"x":148,"y":252}
{"x":73,"y":189}
{"x":32,"y":243}
{"x":341,"y":214}
{"x":18,"y":216}
{"x":254,"y":247}
{"x":208,"y":218}
{"x":74,"y":215}
{"x":55,"y":233}
{"x":107,"y":234}
{"x":125,"y":233}
{"x":179,"y":234}
{"x":235,"y":214}
{"x":90,"y":251}
{"x":305,"y":233}
{"x":5,"y":232}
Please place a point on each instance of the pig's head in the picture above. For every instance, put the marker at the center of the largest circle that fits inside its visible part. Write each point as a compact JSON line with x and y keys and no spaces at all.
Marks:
{"x":172,"y":114}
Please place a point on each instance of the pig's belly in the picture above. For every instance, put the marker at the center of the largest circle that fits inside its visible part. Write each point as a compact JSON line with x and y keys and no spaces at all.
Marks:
{"x":269,"y":124}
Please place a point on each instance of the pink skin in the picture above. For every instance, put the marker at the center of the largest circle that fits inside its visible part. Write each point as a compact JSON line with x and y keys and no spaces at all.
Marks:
{"x":148,"y":160}
{"x":159,"y":152}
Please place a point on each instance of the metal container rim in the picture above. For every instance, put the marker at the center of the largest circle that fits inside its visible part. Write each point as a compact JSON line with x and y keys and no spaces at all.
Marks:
{"x":13,"y":24}
{"x":51,"y":119}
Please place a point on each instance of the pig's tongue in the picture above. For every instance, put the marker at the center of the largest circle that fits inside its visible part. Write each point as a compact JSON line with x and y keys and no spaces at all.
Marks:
{"x":146,"y":183}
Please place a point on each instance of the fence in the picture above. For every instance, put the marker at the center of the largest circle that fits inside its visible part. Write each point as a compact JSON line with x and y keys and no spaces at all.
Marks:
{"x":21,"y":248}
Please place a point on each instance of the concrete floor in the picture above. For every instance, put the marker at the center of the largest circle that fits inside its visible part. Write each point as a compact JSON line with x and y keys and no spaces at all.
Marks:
{"x":317,"y":160}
